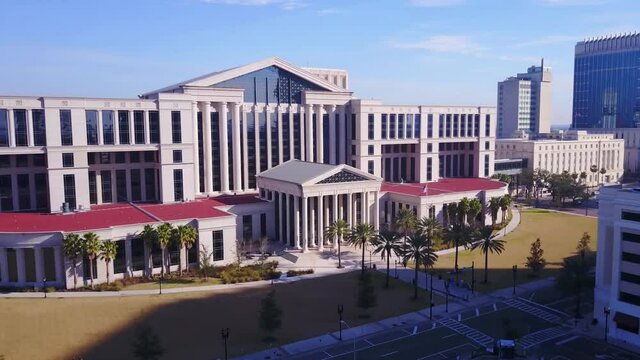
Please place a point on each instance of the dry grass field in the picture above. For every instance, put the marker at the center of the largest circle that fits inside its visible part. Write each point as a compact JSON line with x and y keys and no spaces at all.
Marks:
{"x":188,"y":324}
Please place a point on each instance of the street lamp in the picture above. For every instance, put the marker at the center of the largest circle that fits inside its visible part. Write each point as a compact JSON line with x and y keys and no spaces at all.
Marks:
{"x":396,"y":268}
{"x":473,"y":276}
{"x":431,"y":299}
{"x":340,"y":311}
{"x":44,"y":286}
{"x":607,"y":311}
{"x":515,"y":270}
{"x":160,"y":283}
{"x":446,"y":288}
{"x":225,"y":336}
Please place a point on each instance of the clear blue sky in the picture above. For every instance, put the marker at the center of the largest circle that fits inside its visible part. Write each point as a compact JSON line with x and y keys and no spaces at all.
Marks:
{"x":399,"y":51}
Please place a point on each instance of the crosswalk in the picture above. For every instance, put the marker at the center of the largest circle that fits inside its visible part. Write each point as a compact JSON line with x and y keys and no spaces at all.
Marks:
{"x":541,"y":336}
{"x":467,"y":331}
{"x":533,"y":310}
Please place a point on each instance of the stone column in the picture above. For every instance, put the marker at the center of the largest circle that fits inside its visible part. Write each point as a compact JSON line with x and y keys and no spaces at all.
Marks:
{"x":296,"y":221}
{"x":291,"y":134}
{"x":39,"y":259}
{"x":313,"y":217}
{"x":4,"y":266}
{"x":287,"y":218}
{"x":245,"y":148}
{"x":335,"y":217}
{"x":100,"y":128}
{"x":350,"y":210}
{"x":305,"y":224}
{"x":280,"y":136}
{"x":224,"y":147}
{"x":267,"y":115}
{"x":22,"y":274}
{"x":309,"y":128}
{"x":29,"y":127}
{"x":128,"y":257}
{"x":196,"y":158}
{"x":237,"y":163}
{"x":147,"y":130}
{"x":332,"y":134}
{"x":321,"y":215}
{"x":116,"y":128}
{"x":343,"y":136}
{"x":281,"y":219}
{"x":206,"y":144}
{"x":12,"y":129}
{"x":319,"y":134}
{"x":58,"y":261}
{"x":364,"y":213}
{"x":376,"y":210}
{"x":303,"y":114}
{"x":132,"y":132}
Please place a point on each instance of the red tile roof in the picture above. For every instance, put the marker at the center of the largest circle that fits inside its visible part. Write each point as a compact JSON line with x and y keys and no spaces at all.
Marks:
{"x":443,"y":186}
{"x":225,"y":200}
{"x":183,"y":211}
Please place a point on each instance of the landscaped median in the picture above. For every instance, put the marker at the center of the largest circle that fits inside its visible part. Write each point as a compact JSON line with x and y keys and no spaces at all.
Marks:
{"x":189,"y":324}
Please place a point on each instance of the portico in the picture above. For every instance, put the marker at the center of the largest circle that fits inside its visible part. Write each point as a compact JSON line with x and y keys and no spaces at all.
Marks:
{"x":309,"y":196}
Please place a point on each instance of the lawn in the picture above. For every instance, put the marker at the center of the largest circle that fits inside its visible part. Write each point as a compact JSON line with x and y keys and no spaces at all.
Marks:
{"x":188,"y":324}
{"x":558,"y":232}
{"x":174,"y":283}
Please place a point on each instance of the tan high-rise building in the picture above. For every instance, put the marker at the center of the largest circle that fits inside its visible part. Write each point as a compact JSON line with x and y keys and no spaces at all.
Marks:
{"x":524,"y":102}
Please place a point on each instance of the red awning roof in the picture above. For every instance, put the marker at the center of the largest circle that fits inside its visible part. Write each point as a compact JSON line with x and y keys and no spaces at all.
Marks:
{"x":443,"y":186}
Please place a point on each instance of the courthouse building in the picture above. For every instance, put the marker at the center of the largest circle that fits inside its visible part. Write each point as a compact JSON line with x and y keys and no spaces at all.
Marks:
{"x":229,"y":153}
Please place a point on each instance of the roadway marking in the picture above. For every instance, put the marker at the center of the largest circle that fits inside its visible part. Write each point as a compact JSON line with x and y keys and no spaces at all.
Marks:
{"x":459,"y":317}
{"x":415,"y":330}
{"x":477,"y":312}
{"x":567,"y":340}
{"x":441,"y":353}
{"x":328,"y":354}
{"x":433,"y":326}
{"x":448,"y":336}
{"x":368,"y":342}
{"x":387,"y":354}
{"x":495,"y":307}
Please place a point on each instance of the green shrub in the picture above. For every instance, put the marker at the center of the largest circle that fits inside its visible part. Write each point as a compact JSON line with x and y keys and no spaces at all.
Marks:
{"x":232,"y":274}
{"x":292,"y":273}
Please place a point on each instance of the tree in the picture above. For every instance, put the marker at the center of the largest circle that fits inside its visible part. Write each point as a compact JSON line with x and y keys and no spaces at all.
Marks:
{"x":108,"y":252}
{"x":91,"y":246}
{"x":149,"y":236}
{"x":494,"y":206}
{"x":535,"y":260}
{"x":185,"y":236}
{"x":239,"y":250}
{"x":361,"y":236}
{"x":458,"y":235}
{"x":263,"y":246}
{"x":205,"y":266}
{"x":418,"y":249}
{"x":431,"y":229}
{"x":336,"y":231}
{"x":270,"y":315}
{"x":405,"y":222}
{"x":583,"y":176}
{"x":583,"y":243}
{"x":164,"y":236}
{"x":602,"y":172}
{"x":505,"y":203}
{"x":594,"y":171}
{"x":527,"y":180}
{"x":72,"y":248}
{"x":146,"y":345}
{"x":463,"y":209}
{"x":488,"y":243}
{"x":574,"y":277}
{"x":475,"y":208}
{"x":452,"y":213}
{"x":366,"y":292}
{"x":387,"y":243}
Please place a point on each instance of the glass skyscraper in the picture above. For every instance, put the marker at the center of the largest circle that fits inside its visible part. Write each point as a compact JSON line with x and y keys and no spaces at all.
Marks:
{"x":606,"y":82}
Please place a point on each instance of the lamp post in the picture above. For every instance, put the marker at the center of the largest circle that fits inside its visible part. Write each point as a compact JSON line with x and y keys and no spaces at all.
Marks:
{"x":473,"y":277}
{"x":225,"y":336}
{"x":160,"y":284}
{"x":431,"y":299}
{"x":446,"y":288}
{"x":396,"y":268}
{"x":370,"y":264}
{"x":515,"y":270}
{"x":340,"y":311}
{"x":607,"y":311}
{"x":44,"y":286}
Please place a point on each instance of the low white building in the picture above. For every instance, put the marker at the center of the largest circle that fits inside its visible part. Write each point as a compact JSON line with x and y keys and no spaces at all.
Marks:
{"x":618,"y":263}
{"x":572,"y":151}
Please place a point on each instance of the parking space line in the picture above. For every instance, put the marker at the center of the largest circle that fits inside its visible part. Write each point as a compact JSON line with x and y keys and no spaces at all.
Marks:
{"x":387,"y":354}
{"x":477,"y":312}
{"x":562,"y":342}
{"x":459,"y":317}
{"x":495,"y":307}
{"x":368,"y":342}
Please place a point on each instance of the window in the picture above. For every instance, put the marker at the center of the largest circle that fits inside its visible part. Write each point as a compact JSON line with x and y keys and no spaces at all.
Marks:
{"x":429,"y":169}
{"x":177,"y":156}
{"x":120,"y":261}
{"x":371,"y":149}
{"x":20,"y":127}
{"x":176,"y":127}
{"x":487,"y":125}
{"x":107,"y":127}
{"x":353,"y":126}
{"x":42,"y":193}
{"x":372,"y":125}
{"x":263,"y":225}
{"x":120,"y":158}
{"x":70,"y":190}
{"x":66,"y":130}
{"x":178,"y":194}
{"x":123,"y":126}
{"x":91,"y":118}
{"x":39,"y":160}
{"x":416,"y":126}
{"x":39,"y":128}
{"x":67,"y":160}
{"x":4,"y":127}
{"x":105,"y":158}
{"x":150,"y":184}
{"x":107,"y":196}
{"x":401,"y":126}
{"x":631,"y":216}
{"x":22,"y":160}
{"x":487,"y":145}
{"x":631,"y":299}
{"x":384,"y":126}
{"x":149,"y":156}
{"x":632,"y":278}
{"x":93,"y":191}
{"x":154,"y":127}
{"x":631,"y":237}
{"x":5,"y":161}
{"x":392,"y":126}
{"x":6,"y":193}
{"x":430,"y":126}
{"x":24,"y":193}
{"x":247,"y":227}
{"x":486,"y":165}
{"x":370,"y":166}
{"x":218,"y":245}
{"x":138,"y":126}
{"x":429,"y":147}
{"x":121,"y":186}
{"x":134,"y":157}
{"x":136,"y":185}
{"x":630,"y":257}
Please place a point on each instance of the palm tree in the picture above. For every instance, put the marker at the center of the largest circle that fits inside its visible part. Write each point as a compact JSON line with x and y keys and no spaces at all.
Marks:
{"x":574,"y":277}
{"x":361,"y":236}
{"x":72,"y":248}
{"x":458,"y":235}
{"x":91,"y":246}
{"x":594,"y":171}
{"x":488,"y":243}
{"x":336,"y":231}
{"x":149,"y":235}
{"x":420,"y":251}
{"x":405,"y":222}
{"x":463,"y":209}
{"x":387,"y":243}
{"x":431,"y":229}
{"x":505,"y":203}
{"x":583,"y":176}
{"x":185,"y":236}
{"x":475,"y":208}
{"x":494,"y":206}
{"x":164,"y":237}
{"x":603,"y":171}
{"x":452,"y":212}
{"x":108,"y":252}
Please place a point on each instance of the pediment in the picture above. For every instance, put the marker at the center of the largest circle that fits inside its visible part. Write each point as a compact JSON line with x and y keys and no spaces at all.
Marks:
{"x":343,"y":176}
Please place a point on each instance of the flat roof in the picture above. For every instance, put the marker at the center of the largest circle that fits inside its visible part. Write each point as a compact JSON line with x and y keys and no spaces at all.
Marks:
{"x":443,"y":186}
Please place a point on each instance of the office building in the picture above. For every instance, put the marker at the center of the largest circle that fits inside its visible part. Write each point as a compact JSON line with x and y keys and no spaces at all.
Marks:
{"x":524,"y":102}
{"x":211,"y":152}
{"x":606,"y":80}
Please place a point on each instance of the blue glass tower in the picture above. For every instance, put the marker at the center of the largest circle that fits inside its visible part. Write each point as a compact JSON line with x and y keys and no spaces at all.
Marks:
{"x":606,"y":82}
